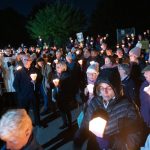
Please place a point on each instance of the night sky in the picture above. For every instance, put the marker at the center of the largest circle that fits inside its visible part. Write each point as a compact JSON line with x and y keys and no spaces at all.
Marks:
{"x":25,"y":6}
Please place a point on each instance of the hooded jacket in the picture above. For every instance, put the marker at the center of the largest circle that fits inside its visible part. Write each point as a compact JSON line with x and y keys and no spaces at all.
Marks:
{"x":121,"y":129}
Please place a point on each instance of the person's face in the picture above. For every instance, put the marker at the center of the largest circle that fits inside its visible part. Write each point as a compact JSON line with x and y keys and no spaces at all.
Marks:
{"x":86,"y":54}
{"x":17,"y":142}
{"x":58,"y":55}
{"x":106,"y":91}
{"x":147,"y":76}
{"x":59,"y":68}
{"x":140,"y":37}
{"x":92,"y":76}
{"x":132,"y":57}
{"x":27,"y":62}
{"x":109,"y":52}
{"x":103,"y":46}
{"x":93,"y":54}
{"x":121,"y":71}
{"x":107,"y":61}
{"x":119,"y":54}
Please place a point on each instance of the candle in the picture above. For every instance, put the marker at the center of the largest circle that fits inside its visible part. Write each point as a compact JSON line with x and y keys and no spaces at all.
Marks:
{"x":48,"y":63}
{"x":56,"y":61}
{"x":92,"y":62}
{"x":77,"y":52}
{"x":56,"y":82}
{"x":80,"y":62}
{"x":147,"y":90}
{"x":90,"y":88}
{"x":102,"y":51}
{"x":132,"y":35}
{"x":122,"y":45}
{"x":19,"y":67}
{"x":97,"y":126}
{"x":33,"y":76}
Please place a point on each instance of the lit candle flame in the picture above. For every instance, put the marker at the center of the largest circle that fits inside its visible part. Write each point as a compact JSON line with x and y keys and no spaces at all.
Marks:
{"x":92,"y":62}
{"x":19,"y":67}
{"x":80,"y":62}
{"x":90,"y":88}
{"x":33,"y":76}
{"x":97,"y":126}
{"x":147,"y":90}
{"x":48,"y":63}
{"x":56,"y":82}
{"x":77,"y":52}
{"x":56,"y":61}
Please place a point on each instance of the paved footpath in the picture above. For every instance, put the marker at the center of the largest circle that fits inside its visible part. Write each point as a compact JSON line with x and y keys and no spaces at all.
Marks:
{"x":53,"y":138}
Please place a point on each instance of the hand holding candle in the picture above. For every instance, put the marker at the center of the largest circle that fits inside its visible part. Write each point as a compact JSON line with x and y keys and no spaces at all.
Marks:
{"x":92,"y":62}
{"x":55,"y":61}
{"x":80,"y":62}
{"x":147,"y":90}
{"x":97,"y":126}
{"x":77,"y":52}
{"x":48,"y":63}
{"x":19,"y":67}
{"x":33,"y":76}
{"x":56,"y":82}
{"x":90,"y":88}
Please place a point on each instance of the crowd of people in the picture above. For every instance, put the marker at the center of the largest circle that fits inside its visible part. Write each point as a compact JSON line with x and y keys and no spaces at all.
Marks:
{"x":104,"y":81}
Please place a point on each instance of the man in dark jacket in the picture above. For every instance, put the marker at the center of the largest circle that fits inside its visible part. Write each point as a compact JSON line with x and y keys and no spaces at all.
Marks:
{"x":145,"y":97}
{"x":128,"y":84}
{"x":121,"y":131}
{"x":16,"y":131}
{"x":25,"y":84}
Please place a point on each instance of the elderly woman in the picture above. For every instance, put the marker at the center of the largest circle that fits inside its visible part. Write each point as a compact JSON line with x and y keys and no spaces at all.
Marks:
{"x":121,"y":131}
{"x":92,"y":74}
{"x":16,"y":130}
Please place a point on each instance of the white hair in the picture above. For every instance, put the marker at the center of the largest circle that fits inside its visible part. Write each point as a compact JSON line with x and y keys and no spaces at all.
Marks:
{"x":14,"y":122}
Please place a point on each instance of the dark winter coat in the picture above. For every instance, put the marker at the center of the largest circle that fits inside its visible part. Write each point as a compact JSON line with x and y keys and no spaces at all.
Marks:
{"x":23,"y":85}
{"x":31,"y":145}
{"x":121,"y":129}
{"x":145,"y":103}
{"x":129,"y":89}
{"x":65,"y":90}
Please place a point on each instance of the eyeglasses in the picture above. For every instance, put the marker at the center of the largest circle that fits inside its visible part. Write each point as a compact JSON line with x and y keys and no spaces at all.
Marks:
{"x":109,"y":88}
